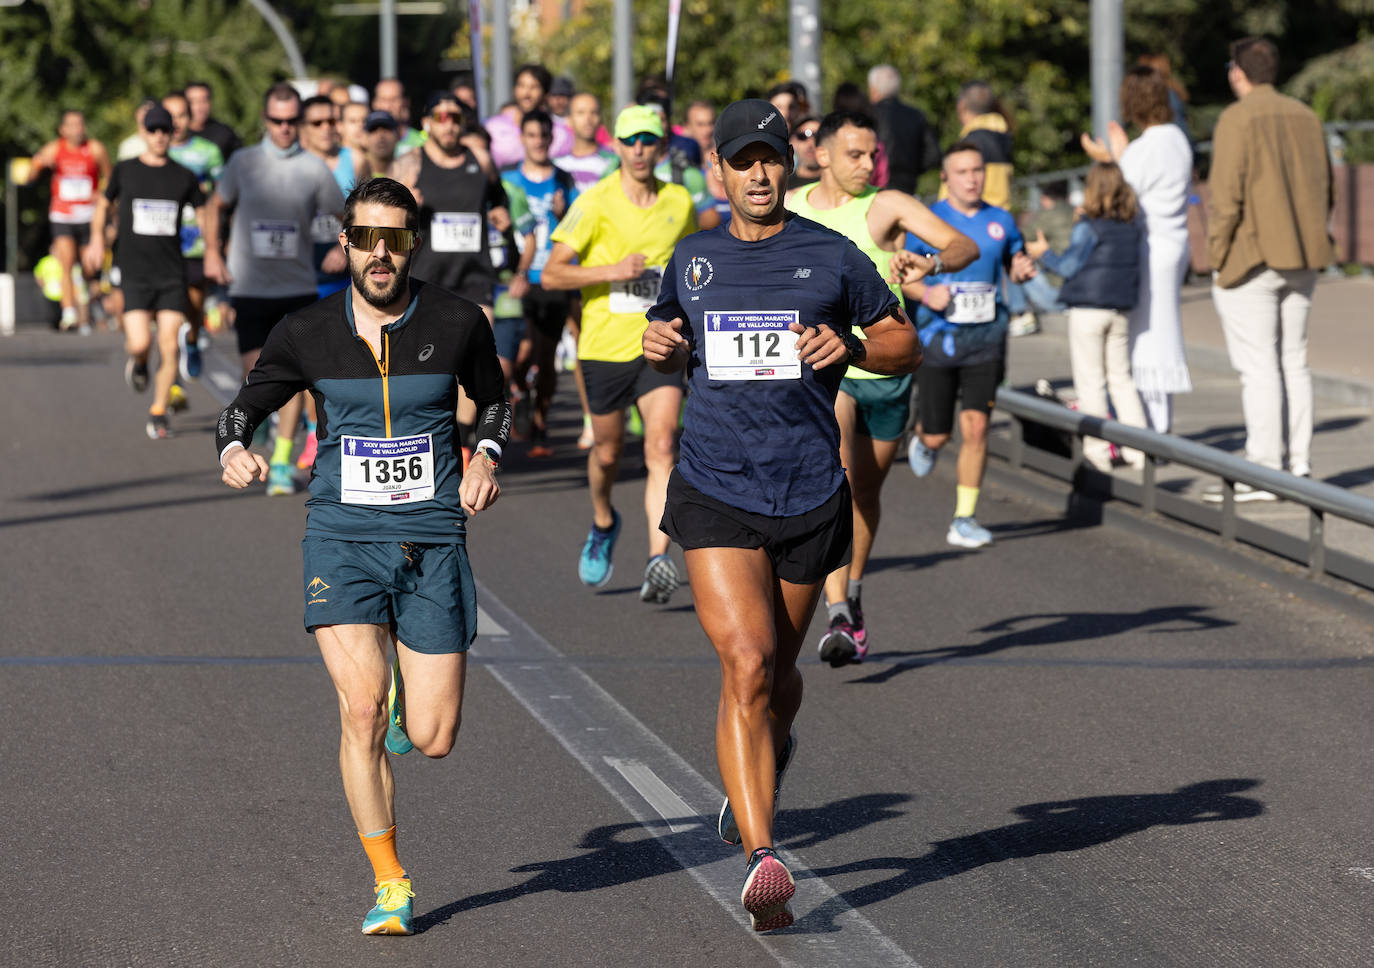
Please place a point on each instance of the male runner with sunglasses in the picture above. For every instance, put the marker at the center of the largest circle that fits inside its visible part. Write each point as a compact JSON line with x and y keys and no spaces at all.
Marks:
{"x":457,"y":191}
{"x":275,"y":189}
{"x":384,"y":552}
{"x":621,"y":231}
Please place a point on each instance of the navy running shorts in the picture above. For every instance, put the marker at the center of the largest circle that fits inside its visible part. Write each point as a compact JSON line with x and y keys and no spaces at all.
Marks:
{"x":423,"y":592}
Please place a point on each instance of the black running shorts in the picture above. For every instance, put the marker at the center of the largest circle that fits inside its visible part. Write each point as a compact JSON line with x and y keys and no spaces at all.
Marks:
{"x":154,"y":297}
{"x":804,"y":548}
{"x":614,"y":386}
{"x":975,"y":388}
{"x":254,"y":318}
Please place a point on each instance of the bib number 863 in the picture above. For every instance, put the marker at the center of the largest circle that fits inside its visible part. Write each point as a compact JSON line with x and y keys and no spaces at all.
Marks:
{"x":397,"y":470}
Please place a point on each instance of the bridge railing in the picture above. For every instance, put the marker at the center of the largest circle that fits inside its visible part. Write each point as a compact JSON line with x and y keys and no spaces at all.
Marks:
{"x":1320,"y":499}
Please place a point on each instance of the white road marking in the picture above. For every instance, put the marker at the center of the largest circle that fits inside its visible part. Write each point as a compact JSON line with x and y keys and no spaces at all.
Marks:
{"x":223,"y":381}
{"x":1366,"y":872}
{"x":669,"y":805}
{"x":488,"y":626}
{"x":829,"y":931}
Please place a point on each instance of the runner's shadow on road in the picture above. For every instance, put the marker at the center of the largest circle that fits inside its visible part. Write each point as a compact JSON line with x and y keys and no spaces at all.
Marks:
{"x":1045,"y":828}
{"x":911,"y":562}
{"x":1050,"y":628}
{"x":619,"y":854}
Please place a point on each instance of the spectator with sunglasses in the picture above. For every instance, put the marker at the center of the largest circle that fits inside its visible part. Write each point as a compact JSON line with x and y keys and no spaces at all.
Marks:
{"x":803,"y":141}
{"x":274,"y":189}
{"x":621,"y":232}
{"x":388,"y":591}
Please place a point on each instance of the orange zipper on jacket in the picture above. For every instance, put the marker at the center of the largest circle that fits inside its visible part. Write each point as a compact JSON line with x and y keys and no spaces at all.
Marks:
{"x":383,"y":367}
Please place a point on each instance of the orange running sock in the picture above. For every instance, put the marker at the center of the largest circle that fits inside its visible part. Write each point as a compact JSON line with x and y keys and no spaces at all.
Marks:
{"x":381,"y":850}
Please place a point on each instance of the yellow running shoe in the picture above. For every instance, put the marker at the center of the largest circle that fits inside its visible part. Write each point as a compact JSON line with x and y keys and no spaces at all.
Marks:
{"x":392,"y":915}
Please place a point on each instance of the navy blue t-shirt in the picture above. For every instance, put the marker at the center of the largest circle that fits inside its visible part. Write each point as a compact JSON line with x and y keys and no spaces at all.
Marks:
{"x":759,"y":431}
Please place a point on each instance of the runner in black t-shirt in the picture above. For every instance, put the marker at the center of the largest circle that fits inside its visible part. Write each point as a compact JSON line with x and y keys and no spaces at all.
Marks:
{"x":150,"y":191}
{"x":762,"y":314}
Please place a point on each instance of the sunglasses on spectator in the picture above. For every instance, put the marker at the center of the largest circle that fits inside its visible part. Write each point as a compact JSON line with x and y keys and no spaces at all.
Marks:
{"x":367,"y":237}
{"x":806,"y":134}
{"x":319,"y":122}
{"x":442,"y":116}
{"x":644,"y":138}
{"x":295,"y":119}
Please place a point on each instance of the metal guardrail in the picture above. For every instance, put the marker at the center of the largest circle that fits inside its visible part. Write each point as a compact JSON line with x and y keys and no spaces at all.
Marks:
{"x":1319,"y":498}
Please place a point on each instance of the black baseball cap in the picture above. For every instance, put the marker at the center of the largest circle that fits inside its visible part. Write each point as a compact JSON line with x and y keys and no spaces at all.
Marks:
{"x":157,"y":117}
{"x":746,"y":122}
{"x":379,"y":119}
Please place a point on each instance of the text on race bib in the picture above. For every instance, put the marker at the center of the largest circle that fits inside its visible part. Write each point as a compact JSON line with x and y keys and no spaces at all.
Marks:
{"x":972,"y":302}
{"x":386,"y":470}
{"x":75,"y":188}
{"x":275,"y":240}
{"x":325,"y":228}
{"x":456,"y":232}
{"x":156,"y":216}
{"x":637,"y":296}
{"x":751,"y":345}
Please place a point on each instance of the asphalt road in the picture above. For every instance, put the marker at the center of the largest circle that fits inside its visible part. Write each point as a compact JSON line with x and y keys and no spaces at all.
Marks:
{"x":1077,"y":747}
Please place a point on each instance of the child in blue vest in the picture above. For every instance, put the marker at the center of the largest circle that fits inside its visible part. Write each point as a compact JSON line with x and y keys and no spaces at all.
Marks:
{"x":1101,"y":270}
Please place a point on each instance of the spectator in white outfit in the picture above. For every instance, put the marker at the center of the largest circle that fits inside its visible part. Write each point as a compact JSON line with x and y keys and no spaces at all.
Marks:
{"x":1158,"y":165}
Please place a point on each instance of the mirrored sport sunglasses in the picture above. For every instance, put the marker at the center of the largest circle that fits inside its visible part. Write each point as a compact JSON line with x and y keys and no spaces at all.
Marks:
{"x":645,"y":138}
{"x":366,"y":237}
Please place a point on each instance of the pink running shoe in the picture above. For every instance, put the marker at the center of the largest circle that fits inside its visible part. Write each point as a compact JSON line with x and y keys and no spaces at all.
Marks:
{"x":768,"y":886}
{"x":308,"y":452}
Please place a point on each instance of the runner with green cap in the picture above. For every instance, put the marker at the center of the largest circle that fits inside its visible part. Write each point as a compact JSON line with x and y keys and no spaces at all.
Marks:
{"x":613,"y":244}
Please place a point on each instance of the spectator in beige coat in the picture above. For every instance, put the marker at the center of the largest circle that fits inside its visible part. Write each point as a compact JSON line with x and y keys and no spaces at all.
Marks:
{"x":1267,"y":237}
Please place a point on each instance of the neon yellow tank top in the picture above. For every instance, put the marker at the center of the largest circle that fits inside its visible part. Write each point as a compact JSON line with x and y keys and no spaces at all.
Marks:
{"x":851,"y":221}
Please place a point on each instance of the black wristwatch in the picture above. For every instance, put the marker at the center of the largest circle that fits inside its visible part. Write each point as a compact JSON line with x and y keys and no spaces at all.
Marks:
{"x":857,"y":351}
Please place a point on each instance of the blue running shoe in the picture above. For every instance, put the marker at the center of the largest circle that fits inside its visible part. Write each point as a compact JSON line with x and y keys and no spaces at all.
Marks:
{"x":920,"y":457}
{"x":396,"y":739}
{"x":279,"y":480}
{"x":594,"y":567}
{"x":392,"y":915}
{"x":726,"y":826}
{"x":968,"y":533}
{"x":190,"y":359}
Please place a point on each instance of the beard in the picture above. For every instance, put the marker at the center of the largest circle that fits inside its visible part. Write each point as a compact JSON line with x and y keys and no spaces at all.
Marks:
{"x":374,"y":294}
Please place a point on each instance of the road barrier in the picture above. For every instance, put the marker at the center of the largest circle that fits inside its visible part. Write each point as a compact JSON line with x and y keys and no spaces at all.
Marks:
{"x":1320,"y":499}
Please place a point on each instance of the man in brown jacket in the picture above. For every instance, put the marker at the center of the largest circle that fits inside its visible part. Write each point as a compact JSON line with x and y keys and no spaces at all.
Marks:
{"x":1267,"y":238}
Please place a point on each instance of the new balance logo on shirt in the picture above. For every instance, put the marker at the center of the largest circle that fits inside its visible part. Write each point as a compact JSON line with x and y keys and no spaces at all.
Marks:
{"x":802,"y":274}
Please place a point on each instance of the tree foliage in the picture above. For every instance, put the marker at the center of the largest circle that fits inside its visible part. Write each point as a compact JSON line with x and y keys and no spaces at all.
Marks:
{"x":1035,"y":53}
{"x":104,"y":56}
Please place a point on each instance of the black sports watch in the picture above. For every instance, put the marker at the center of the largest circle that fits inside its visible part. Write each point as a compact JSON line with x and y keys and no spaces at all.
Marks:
{"x":857,"y":351}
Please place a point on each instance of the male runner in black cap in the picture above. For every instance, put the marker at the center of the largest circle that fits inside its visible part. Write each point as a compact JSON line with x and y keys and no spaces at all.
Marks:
{"x":762,"y":313}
